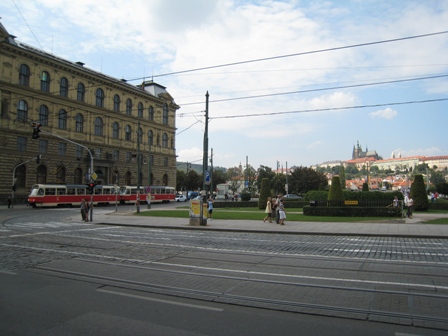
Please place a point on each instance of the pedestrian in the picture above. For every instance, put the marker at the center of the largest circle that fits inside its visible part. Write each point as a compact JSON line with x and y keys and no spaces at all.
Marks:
{"x":83,"y":209}
{"x":268,"y":211}
{"x":410,"y":205}
{"x":9,"y":202}
{"x":282,"y":213}
{"x":87,"y":211}
{"x":395,"y":202}
{"x":210,"y":208}
{"x":277,"y":208}
{"x":273,"y":206}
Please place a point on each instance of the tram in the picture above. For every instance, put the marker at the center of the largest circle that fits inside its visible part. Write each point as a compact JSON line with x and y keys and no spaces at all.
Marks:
{"x":51,"y":195}
{"x":158,"y":194}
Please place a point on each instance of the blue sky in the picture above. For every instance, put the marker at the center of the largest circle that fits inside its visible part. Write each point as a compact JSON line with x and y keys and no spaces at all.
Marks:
{"x":138,"y":39}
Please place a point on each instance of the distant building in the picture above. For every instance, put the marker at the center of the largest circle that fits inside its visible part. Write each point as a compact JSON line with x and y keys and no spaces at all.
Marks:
{"x":358,"y":153}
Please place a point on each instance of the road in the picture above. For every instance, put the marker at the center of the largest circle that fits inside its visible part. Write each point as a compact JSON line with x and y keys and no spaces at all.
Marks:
{"x":59,"y":276}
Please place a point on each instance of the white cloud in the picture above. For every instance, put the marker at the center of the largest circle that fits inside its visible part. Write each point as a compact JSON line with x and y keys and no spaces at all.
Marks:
{"x":387,"y":113}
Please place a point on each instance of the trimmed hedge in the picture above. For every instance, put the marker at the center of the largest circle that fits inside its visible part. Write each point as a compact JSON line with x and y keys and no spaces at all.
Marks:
{"x":352,"y":211}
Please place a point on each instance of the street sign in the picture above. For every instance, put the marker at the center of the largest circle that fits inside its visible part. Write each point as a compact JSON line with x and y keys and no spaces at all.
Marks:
{"x":207,"y":177}
{"x":94,"y":176}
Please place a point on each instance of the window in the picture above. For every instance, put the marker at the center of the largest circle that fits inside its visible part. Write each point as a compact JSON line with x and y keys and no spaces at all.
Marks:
{"x":63,"y":87}
{"x":116,"y":154}
{"x":165,"y":114}
{"x":41,"y":174}
{"x":62,"y":119}
{"x":117,"y":103}
{"x":150,"y":137}
{"x":165,"y":161}
{"x":21,"y":176}
{"x":60,"y":175}
{"x":151,"y":113}
{"x":43,"y":146}
{"x":45,"y":81}
{"x":81,"y":92}
{"x":129,"y":106}
{"x":128,"y":131}
{"x":98,"y":153}
{"x":140,"y":135}
{"x":21,"y":144}
{"x":22,"y":111}
{"x":115,"y":130}
{"x":99,"y":94}
{"x":165,"y":140}
{"x":24,"y":75}
{"x":79,"y":123}
{"x":78,"y":177}
{"x":43,"y":115}
{"x":62,"y":147}
{"x":79,"y":152}
{"x":128,"y":156}
{"x":99,"y":126}
{"x":140,"y":110}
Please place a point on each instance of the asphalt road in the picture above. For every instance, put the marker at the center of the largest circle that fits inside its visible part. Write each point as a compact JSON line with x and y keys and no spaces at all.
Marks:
{"x":59,"y":277}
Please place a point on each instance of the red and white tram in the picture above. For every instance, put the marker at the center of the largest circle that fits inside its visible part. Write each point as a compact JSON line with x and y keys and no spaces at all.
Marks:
{"x":51,"y":195}
{"x":158,"y":194}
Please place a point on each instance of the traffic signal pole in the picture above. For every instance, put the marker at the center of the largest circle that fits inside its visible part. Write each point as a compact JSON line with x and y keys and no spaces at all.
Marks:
{"x":37,"y":126}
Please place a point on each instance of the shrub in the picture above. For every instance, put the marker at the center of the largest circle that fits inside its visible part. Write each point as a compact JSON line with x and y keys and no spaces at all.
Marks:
{"x":264,"y":193}
{"x":245,"y":196}
{"x":335,"y":193}
{"x":418,"y":194}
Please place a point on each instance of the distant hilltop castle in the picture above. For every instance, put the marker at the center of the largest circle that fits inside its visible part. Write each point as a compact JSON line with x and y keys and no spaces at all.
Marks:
{"x":358,"y":153}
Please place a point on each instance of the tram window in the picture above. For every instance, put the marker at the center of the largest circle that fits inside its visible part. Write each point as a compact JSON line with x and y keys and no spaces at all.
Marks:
{"x":106,"y":191}
{"x":61,"y":191}
{"x":71,"y":191}
{"x":50,"y":191}
{"x":80,"y":191}
{"x":98,"y":191}
{"x":40,"y":192}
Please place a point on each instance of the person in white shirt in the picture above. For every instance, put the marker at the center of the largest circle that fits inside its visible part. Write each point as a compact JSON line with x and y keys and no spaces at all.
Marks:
{"x":410,"y":204}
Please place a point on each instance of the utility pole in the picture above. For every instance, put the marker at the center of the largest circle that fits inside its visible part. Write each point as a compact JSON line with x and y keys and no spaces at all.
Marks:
{"x":211,"y":173}
{"x":137,"y":202}
{"x":205,"y":153}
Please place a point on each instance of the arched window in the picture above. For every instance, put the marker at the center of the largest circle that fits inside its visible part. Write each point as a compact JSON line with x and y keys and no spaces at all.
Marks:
{"x":129,"y":106}
{"x":24,"y":75}
{"x":115,"y":130}
{"x":62,"y":119}
{"x":165,"y":140}
{"x":165,"y":114}
{"x":22,"y":111}
{"x":78,"y":176}
{"x":81,"y":92}
{"x":117,"y":103}
{"x":150,"y":137}
{"x":128,"y":178}
{"x":151,"y":113}
{"x":63,"y":87}
{"x":99,"y":95}
{"x":165,"y":179}
{"x":45,"y":81}
{"x":140,"y":110}
{"x":43,"y":115}
{"x":41,"y":174}
{"x":79,"y":123}
{"x":99,"y":126}
{"x":128,"y":131}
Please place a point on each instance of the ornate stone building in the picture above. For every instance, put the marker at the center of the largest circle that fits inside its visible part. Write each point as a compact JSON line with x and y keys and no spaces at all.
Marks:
{"x":79,"y":108}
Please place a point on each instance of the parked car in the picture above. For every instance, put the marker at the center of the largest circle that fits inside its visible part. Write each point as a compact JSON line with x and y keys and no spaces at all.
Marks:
{"x":180,"y":198}
{"x":292,"y":196}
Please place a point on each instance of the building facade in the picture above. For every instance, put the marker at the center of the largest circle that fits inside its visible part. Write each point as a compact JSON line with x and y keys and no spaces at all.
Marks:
{"x":83,"y":114}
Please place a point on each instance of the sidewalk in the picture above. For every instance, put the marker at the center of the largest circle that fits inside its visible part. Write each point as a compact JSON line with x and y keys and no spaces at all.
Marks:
{"x":410,"y":228}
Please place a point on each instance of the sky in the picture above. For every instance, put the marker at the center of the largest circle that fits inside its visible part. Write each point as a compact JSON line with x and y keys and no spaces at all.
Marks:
{"x":295,"y":82}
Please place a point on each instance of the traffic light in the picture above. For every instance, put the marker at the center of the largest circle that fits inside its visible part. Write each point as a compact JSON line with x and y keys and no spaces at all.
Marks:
{"x":36,"y":129}
{"x":90,"y":187}
{"x":14,"y":187}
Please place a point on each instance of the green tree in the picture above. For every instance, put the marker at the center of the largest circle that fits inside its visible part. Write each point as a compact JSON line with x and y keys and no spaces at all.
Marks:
{"x":418,"y":194}
{"x":181,"y":178}
{"x":219,"y":177}
{"x":442,"y":188}
{"x":193,"y":181}
{"x":265,"y":192}
{"x":304,"y":179}
{"x":264,"y":172}
{"x":342,"y":176}
{"x":365,"y":186}
{"x":335,"y":193}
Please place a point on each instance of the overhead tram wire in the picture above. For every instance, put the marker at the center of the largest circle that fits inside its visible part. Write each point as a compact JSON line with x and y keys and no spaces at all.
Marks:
{"x":330,"y":109}
{"x":297,"y":54}
{"x":322,"y":89}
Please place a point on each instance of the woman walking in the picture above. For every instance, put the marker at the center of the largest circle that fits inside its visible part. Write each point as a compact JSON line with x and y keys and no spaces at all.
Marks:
{"x":268,"y":211}
{"x":282,"y":213}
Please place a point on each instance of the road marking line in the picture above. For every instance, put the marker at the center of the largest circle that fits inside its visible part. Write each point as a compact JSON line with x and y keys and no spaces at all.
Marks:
{"x":161,"y":301}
